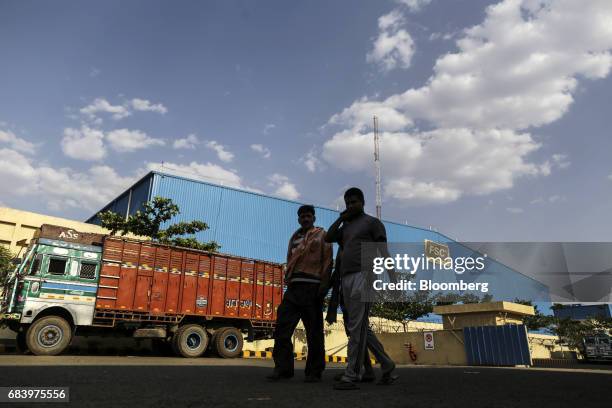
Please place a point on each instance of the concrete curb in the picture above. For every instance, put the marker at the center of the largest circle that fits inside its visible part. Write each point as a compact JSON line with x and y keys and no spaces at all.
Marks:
{"x":297,"y":356}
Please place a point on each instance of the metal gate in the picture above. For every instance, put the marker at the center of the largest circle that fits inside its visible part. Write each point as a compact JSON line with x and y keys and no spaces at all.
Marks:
{"x":497,"y":345}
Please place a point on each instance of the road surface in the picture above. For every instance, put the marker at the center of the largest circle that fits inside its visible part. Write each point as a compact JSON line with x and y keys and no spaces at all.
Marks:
{"x":142,"y":381}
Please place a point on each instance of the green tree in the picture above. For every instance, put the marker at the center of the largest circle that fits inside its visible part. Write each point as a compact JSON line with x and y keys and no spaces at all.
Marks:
{"x":539,"y":320}
{"x":6,"y":264}
{"x":148,"y":221}
{"x":572,"y":332}
{"x":404,"y":308}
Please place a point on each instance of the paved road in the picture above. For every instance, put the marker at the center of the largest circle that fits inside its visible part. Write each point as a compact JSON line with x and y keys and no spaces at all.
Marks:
{"x":165,"y":382}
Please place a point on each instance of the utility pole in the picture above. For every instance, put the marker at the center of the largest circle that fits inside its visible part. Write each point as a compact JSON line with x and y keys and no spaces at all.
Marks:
{"x":377,"y":167}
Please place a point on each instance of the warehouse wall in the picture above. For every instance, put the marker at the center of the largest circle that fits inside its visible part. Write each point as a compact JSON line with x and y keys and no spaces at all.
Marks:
{"x":251,"y":224}
{"x":129,"y":201}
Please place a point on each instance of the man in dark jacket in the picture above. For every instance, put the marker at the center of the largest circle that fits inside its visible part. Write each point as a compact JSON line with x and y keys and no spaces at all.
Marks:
{"x":309,"y":260}
{"x":350,"y":230}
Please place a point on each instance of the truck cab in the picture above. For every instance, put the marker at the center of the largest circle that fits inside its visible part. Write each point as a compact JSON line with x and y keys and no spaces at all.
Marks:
{"x":51,"y":292}
{"x":598,"y":347}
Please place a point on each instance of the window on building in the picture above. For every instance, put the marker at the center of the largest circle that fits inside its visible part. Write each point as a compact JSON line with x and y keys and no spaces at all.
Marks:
{"x":57,"y":266}
{"x":88,"y":270}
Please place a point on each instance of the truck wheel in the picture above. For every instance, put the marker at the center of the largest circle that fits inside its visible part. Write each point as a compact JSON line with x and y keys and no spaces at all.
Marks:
{"x":228,"y":342}
{"x":213,"y":340}
{"x":22,"y":346}
{"x":190,"y":340}
{"x":49,"y":336}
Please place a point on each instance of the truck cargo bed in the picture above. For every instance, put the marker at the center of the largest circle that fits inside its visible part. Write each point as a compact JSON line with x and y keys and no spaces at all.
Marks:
{"x":162,"y":280}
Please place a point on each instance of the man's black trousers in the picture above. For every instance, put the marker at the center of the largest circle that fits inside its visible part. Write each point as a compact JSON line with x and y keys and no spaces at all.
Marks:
{"x":301,"y":301}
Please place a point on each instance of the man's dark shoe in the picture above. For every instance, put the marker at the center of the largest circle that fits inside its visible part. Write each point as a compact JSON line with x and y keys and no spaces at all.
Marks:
{"x":388,"y":379}
{"x":312,"y":378}
{"x":368,"y":378}
{"x":345,"y":385}
{"x":278,"y":377}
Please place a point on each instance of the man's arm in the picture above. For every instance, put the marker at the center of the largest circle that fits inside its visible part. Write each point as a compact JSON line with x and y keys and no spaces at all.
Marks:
{"x":334,"y":232}
{"x":326,"y":267}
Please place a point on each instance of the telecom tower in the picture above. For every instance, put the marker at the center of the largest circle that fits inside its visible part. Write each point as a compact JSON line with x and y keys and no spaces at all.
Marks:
{"x":377,"y":167}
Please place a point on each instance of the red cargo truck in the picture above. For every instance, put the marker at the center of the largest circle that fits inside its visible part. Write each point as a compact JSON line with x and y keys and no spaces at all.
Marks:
{"x":189,"y":299}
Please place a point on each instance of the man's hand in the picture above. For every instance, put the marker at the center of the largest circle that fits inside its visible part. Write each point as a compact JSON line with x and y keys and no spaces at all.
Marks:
{"x":348,"y":214}
{"x":331,"y":316}
{"x":323,"y":290}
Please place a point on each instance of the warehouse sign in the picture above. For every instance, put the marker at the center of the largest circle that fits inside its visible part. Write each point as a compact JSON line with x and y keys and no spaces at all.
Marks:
{"x":428,"y":340}
{"x":435,"y":250}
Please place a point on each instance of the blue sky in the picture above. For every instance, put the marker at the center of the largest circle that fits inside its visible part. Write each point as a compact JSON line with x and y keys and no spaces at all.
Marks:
{"x":494,"y":115}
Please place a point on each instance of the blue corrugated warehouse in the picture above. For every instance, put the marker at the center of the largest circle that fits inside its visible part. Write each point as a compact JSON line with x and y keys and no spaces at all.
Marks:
{"x":257,"y":226}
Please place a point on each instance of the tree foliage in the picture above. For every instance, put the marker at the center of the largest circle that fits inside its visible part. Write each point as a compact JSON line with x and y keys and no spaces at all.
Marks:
{"x":6,"y":264}
{"x":539,"y":320}
{"x":148,"y":222}
{"x":404,"y":308}
{"x":572,"y":332}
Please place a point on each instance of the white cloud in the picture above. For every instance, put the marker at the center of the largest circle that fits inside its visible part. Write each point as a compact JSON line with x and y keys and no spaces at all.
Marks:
{"x":17,"y":143}
{"x":208,"y":172}
{"x":147,"y":106}
{"x":561,"y":161}
{"x":283,"y":187}
{"x":312,"y":161}
{"x":59,"y":188}
{"x":268,"y":127}
{"x":101,"y":105}
{"x":610,"y":177}
{"x":94,"y":72}
{"x":513,"y":71}
{"x":223,"y":154}
{"x":189,"y":142}
{"x":394,"y":47}
{"x":442,"y":36}
{"x":414,"y":5}
{"x":359,"y":116}
{"x":117,"y":112}
{"x":126,"y":140}
{"x":551,"y":199}
{"x":515,"y":210}
{"x":437,"y":166}
{"x":16,"y":173}
{"x":83,"y":144}
{"x":516,"y":70}
{"x":263,"y":150}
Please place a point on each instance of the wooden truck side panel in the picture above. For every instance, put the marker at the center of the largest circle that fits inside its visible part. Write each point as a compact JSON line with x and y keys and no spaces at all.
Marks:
{"x":160,"y":280}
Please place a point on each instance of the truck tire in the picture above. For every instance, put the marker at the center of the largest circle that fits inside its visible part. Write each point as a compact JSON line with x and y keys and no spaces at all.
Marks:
{"x":229,"y":342}
{"x":213,"y":341}
{"x":49,"y":336}
{"x":190,"y":341}
{"x":20,"y":340}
